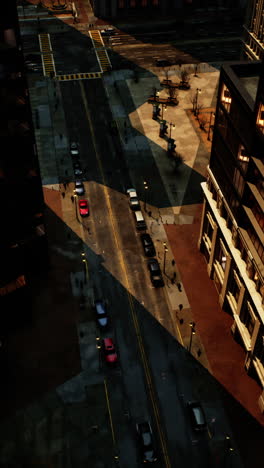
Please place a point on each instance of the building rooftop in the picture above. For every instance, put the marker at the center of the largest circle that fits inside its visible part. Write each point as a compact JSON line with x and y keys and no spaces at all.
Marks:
{"x":251,"y":85}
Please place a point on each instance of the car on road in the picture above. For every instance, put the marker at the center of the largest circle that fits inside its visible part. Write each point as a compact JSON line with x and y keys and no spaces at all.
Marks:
{"x":83,"y":208}
{"x":101,"y":313}
{"x":155,"y":273}
{"x":109,"y":351}
{"x":145,"y":437}
{"x":77,"y":169}
{"x":79,"y":187}
{"x":108,"y":32}
{"x":74,"y":150}
{"x":148,"y":245}
{"x":133,"y":199}
{"x":163,"y":63}
{"x":197,"y":415}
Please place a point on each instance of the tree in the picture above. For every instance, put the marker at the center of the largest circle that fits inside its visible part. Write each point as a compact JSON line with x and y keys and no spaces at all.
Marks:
{"x":193,"y":101}
{"x":202,"y":122}
{"x":172,"y":93}
{"x":199,"y":107}
{"x":185,"y":76}
{"x":177,"y":159}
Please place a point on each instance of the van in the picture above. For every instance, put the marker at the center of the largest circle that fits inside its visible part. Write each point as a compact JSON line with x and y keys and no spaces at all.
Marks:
{"x":140,"y":222}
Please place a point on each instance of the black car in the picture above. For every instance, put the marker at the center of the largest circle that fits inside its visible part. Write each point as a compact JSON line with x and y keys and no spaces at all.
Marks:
{"x":77,"y":169}
{"x":155,"y":273}
{"x":197,"y":415}
{"x":148,"y":245}
{"x":146,"y":442}
{"x":101,"y":313}
{"x":163,"y":63}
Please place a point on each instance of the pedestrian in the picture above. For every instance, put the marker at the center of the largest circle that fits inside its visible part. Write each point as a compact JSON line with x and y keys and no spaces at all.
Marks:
{"x":63,"y":194}
{"x":173,"y":262}
{"x":174,"y":275}
{"x":72,"y":198}
{"x":180,"y":306}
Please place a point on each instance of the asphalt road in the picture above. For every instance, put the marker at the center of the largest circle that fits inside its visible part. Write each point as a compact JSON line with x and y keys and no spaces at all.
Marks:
{"x":142,"y":387}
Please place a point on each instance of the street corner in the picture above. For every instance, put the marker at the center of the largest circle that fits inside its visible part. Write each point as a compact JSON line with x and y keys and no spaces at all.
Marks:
{"x":53,"y":198}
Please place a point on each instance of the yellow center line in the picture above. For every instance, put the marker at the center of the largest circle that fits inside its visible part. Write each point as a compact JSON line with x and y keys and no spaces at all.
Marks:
{"x":109,"y":412}
{"x":123,"y":267}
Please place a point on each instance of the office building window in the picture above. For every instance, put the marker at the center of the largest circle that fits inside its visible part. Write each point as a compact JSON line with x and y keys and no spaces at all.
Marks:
{"x":260,"y":118}
{"x":257,"y":243}
{"x":226,"y":98}
{"x":239,"y":182}
{"x":243,"y":158}
{"x":258,"y":213}
{"x":259,"y":182}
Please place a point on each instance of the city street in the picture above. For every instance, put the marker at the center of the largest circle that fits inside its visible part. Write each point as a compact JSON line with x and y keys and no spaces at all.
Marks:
{"x":83,"y":410}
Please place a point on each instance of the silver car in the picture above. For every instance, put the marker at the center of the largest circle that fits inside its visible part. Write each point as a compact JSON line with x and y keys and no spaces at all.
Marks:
{"x":79,"y":187}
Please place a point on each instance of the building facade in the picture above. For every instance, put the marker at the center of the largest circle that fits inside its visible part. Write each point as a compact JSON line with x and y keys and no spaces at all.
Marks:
{"x":232,"y":227}
{"x":253,"y":40}
{"x":127,"y":8}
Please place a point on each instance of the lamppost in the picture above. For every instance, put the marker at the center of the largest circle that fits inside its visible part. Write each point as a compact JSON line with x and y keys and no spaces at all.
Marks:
{"x":163,"y":106}
{"x":198,"y":90}
{"x":85,"y":271}
{"x":192,"y":325}
{"x":172,"y":125}
{"x":145,"y":195}
{"x":165,"y":252}
{"x":212,"y":114}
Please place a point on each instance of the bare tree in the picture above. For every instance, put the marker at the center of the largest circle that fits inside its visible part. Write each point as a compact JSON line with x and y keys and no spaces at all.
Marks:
{"x":177,"y":159}
{"x":203,"y":121}
{"x":196,"y":68}
{"x":185,"y":76}
{"x":199,"y":107}
{"x":193,"y":100}
{"x":166,"y":74}
{"x":172,"y":92}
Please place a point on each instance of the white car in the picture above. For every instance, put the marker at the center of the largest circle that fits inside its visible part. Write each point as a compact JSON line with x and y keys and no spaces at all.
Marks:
{"x":79,"y":187}
{"x":74,"y":149}
{"x":133,"y":199}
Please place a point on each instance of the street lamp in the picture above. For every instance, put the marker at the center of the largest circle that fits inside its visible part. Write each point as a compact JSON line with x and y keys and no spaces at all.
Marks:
{"x":85,"y":271}
{"x":198,"y":90}
{"x":192,"y":325}
{"x":163,"y":106}
{"x":165,"y":252}
{"x":172,"y":125}
{"x":212,"y":114}
{"x":145,"y":195}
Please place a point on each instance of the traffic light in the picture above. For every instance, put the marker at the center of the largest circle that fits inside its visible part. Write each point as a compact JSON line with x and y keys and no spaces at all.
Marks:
{"x":163,"y":128}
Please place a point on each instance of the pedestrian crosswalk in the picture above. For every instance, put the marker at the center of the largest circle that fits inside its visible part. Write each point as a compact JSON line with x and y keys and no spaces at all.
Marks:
{"x":47,"y":55}
{"x":79,"y":76}
{"x":101,"y":53}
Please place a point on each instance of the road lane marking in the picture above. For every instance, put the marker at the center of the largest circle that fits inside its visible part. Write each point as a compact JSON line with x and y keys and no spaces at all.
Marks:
{"x":130,"y":297}
{"x":110,"y":413}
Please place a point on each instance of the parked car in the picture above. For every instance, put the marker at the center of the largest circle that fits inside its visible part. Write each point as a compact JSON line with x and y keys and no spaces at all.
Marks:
{"x":146,"y":442}
{"x":79,"y":187}
{"x":155,"y":273}
{"x":163,"y":63}
{"x":133,"y":199}
{"x":148,"y":245}
{"x":101,"y":313}
{"x":74,"y":149}
{"x":139,"y":220}
{"x":77,"y":169}
{"x":109,"y":351}
{"x":197,"y":415}
{"x":83,"y":208}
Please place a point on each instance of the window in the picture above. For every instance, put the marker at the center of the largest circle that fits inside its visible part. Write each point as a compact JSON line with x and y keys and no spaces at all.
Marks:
{"x":248,"y":317}
{"x":243,"y":158}
{"x":258,"y":213}
{"x":226,"y":98}
{"x":260,"y":118}
{"x":222,"y":123}
{"x":239,"y":182}
{"x":257,"y":243}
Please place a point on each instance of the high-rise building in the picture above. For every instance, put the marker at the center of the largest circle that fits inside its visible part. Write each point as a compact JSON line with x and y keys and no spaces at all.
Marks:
{"x":232,"y":227}
{"x":253,"y":41}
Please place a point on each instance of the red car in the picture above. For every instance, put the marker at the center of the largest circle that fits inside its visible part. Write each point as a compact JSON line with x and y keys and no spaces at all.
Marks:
{"x":109,"y":351}
{"x":83,"y":207}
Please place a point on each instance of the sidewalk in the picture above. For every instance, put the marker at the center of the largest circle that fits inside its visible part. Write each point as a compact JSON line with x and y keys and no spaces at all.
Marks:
{"x":178,"y":223}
